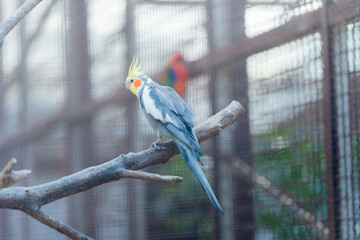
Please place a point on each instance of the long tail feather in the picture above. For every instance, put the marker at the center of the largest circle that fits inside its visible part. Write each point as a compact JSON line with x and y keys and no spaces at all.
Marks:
{"x":192,"y":162}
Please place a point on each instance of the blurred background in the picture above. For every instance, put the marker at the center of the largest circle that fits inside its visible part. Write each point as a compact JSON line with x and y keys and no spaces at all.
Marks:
{"x":293,"y":64}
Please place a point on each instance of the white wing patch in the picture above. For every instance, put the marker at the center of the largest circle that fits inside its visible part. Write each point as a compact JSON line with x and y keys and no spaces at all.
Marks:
{"x":150,"y":106}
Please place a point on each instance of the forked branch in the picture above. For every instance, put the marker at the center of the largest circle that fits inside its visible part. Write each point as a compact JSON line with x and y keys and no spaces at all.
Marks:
{"x":31,"y":199}
{"x":9,"y":177}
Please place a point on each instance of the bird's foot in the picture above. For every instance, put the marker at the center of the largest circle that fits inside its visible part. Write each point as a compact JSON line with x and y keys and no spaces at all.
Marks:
{"x":156,"y":144}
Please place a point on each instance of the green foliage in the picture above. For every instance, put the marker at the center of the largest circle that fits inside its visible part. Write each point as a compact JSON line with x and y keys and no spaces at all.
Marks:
{"x":184,"y":205}
{"x":299,"y":169}
{"x":274,"y":222}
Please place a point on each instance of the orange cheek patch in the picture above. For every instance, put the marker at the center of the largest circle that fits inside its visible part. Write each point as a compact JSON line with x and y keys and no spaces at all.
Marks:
{"x":137,"y":83}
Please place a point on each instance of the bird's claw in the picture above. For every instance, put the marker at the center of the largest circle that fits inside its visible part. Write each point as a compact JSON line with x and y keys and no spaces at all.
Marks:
{"x":156,"y":145}
{"x":159,"y":148}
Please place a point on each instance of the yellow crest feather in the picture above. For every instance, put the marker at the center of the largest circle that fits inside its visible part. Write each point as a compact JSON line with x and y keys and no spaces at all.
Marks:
{"x":134,"y":68}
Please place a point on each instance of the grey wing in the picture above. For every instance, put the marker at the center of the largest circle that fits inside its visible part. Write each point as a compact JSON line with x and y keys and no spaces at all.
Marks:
{"x":166,"y":106}
{"x":178,"y":105}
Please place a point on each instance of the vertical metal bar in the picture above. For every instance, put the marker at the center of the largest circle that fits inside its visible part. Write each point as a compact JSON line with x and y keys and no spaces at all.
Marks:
{"x":352,"y":166}
{"x":80,"y":135}
{"x":67,"y":127}
{"x":23,"y":110}
{"x":130,"y":109}
{"x":243,"y":200}
{"x":213,"y":101}
{"x":4,"y":213}
{"x":329,"y":117}
{"x":317,"y":125}
{"x":355,"y":96}
{"x":23,"y":114}
{"x":215,"y":153}
{"x":2,"y":92}
{"x":350,"y":153}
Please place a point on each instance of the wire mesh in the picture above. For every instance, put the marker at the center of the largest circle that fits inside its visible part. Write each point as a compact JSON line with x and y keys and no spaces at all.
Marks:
{"x":287,"y":132}
{"x":293,"y":64}
{"x":346,"y":48}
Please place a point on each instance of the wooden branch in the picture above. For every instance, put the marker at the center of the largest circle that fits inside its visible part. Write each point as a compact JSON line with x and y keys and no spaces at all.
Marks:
{"x":286,"y":201}
{"x":20,"y":13}
{"x":57,"y":225}
{"x":151,"y":176}
{"x":9,"y":177}
{"x":31,"y":199}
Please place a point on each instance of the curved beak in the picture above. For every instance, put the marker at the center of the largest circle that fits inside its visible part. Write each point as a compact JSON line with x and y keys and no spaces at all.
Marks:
{"x":127,"y":86}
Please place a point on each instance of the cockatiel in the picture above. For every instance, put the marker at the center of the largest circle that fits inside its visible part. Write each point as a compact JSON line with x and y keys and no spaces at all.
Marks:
{"x":177,"y":74}
{"x":171,"y":117}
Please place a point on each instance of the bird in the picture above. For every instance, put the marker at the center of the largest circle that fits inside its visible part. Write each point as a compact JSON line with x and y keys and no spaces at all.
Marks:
{"x":177,"y":74}
{"x":170,"y":117}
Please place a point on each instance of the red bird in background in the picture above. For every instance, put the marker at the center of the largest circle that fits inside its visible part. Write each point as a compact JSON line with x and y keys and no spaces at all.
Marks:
{"x":177,"y":74}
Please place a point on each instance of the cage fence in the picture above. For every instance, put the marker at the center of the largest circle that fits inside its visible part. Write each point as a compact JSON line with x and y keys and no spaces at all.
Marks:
{"x":293,"y":64}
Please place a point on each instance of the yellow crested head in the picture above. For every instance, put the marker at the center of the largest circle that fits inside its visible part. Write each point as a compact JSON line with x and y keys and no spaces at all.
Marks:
{"x":133,"y":82}
{"x":134,"y":69}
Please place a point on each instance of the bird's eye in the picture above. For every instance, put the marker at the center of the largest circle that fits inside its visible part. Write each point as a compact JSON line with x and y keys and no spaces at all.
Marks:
{"x":131,"y":80}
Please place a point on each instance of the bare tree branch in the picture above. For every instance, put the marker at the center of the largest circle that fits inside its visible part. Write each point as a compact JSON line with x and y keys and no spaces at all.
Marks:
{"x":151,"y":176}
{"x":57,"y":225}
{"x":286,"y":201}
{"x":20,"y":13}
{"x":31,"y":199}
{"x":9,"y":177}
